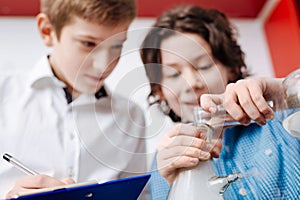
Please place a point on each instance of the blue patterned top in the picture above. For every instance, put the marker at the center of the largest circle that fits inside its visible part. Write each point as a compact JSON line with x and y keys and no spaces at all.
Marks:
{"x":268,"y":156}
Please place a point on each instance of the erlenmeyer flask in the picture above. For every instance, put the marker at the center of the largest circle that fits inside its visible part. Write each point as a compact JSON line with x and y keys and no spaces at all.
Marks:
{"x":200,"y":181}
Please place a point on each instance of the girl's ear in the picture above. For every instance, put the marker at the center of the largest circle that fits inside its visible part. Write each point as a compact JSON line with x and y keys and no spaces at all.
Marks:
{"x":45,"y":29}
{"x":233,"y":73}
{"x":159,"y":94}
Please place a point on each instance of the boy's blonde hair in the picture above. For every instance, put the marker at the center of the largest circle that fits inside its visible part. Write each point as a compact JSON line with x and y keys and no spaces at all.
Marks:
{"x":102,"y":12}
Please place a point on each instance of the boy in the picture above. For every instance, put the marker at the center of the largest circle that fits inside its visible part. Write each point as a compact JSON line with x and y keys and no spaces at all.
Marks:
{"x":59,"y":119}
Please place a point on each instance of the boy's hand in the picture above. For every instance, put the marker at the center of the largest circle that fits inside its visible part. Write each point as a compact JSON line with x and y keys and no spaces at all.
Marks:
{"x":246,"y":99}
{"x":183,"y":147}
{"x":32,"y":184}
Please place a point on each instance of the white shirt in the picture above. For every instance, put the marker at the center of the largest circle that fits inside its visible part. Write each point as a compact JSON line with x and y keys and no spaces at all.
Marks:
{"x":158,"y":126}
{"x":88,"y":139}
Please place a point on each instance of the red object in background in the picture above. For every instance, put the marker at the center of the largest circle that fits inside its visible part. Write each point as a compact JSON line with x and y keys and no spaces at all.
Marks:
{"x":149,"y":8}
{"x":19,"y":7}
{"x":283,"y":36}
{"x":233,"y":8}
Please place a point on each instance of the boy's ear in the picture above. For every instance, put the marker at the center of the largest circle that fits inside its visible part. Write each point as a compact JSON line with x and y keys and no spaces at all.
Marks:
{"x":45,"y":29}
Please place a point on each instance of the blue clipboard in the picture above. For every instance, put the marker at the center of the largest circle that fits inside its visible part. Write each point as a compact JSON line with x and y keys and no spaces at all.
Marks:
{"x":125,"y":189}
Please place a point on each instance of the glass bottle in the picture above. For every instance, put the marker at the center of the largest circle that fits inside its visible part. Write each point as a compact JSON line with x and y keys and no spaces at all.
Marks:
{"x":290,"y":105}
{"x":285,"y":104}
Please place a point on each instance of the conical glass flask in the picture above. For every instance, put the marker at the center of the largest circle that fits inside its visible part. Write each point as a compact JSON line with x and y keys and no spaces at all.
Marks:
{"x":201,"y":182}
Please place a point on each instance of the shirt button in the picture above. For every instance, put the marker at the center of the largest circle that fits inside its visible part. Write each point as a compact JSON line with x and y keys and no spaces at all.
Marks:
{"x":71,"y":172}
{"x":72,"y":136}
{"x":268,"y":152}
{"x":227,"y":148}
{"x":229,"y":165}
{"x":243,"y":191}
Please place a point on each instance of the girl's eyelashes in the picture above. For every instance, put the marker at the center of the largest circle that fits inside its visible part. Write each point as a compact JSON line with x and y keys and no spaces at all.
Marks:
{"x":205,"y":67}
{"x":117,"y":46}
{"x":170,"y":72}
{"x":174,"y":75}
{"x":173,"y":72}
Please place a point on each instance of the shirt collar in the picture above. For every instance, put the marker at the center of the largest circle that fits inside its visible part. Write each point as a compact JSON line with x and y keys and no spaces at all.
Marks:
{"x":42,"y":76}
{"x":101,"y":93}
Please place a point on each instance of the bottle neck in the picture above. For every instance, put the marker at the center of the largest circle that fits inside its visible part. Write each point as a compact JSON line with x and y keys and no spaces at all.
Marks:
{"x":207,"y":129}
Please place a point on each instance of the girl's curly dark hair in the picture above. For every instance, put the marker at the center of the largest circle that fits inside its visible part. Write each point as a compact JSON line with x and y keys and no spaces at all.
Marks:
{"x":210,"y":24}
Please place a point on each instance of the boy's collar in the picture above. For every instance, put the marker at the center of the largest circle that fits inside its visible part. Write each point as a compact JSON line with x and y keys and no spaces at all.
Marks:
{"x":43,"y":76}
{"x":101,"y":93}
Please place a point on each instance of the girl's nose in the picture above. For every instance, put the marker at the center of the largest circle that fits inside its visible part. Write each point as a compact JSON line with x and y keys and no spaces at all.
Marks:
{"x":193,"y":79}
